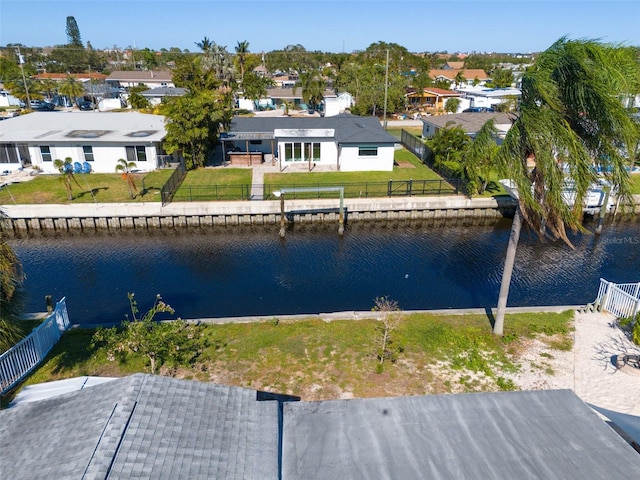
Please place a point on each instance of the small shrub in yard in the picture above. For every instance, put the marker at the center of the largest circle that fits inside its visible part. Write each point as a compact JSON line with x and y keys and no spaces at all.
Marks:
{"x":632,"y":326}
{"x":157,"y":341}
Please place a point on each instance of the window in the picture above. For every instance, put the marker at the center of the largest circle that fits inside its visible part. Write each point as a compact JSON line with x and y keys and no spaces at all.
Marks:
{"x":312,"y":151}
{"x":8,"y":153}
{"x":87,"y":150}
{"x":368,"y":151}
{"x":136,"y":153}
{"x":46,"y":153}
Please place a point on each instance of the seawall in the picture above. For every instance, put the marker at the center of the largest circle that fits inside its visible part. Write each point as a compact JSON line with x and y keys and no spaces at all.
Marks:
{"x":115,"y":216}
{"x":27,"y":219}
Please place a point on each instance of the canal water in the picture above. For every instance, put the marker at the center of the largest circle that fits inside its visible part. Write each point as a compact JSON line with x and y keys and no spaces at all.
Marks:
{"x":242,"y":271}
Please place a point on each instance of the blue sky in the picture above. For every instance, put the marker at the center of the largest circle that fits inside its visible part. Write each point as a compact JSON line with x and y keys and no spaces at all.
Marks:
{"x":328,"y":25}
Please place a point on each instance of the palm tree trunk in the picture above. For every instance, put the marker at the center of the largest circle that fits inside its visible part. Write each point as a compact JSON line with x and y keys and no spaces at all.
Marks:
{"x":498,"y":326}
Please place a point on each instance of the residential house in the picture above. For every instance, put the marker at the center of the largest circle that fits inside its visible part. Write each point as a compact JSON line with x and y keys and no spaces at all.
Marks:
{"x":471,"y":75}
{"x":150,"y":426}
{"x":99,"y":139}
{"x":453,"y":66}
{"x":488,"y":97}
{"x":471,"y":123}
{"x":155,"y":96}
{"x":149,"y":78}
{"x":431,"y":97}
{"x":285,"y":80}
{"x":345,"y":142}
{"x":335,"y":104}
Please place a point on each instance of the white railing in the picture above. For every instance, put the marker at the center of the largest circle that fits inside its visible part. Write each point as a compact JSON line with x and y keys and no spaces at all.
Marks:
{"x":622,"y":300}
{"x":17,"y":362}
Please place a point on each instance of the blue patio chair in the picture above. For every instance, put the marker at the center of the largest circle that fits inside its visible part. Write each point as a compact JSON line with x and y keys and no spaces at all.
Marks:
{"x":77,"y":167}
{"x":86,"y":167}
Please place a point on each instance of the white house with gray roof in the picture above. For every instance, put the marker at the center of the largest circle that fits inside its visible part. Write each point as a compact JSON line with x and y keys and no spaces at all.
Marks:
{"x":344,"y":142}
{"x":98,"y":139}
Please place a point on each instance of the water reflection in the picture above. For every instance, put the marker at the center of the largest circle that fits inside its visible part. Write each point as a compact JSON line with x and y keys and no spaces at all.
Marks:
{"x":252,"y":271}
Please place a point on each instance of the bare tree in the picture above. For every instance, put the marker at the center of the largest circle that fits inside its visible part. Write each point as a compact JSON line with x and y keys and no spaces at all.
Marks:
{"x":388,"y":324}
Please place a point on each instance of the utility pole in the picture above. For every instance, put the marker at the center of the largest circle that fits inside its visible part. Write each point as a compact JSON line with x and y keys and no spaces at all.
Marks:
{"x":386,"y":85}
{"x":24,"y":79}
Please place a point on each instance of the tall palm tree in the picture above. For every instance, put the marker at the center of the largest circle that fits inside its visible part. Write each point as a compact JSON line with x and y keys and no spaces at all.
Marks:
{"x":460,"y":79}
{"x":126,"y":168}
{"x":204,"y":45}
{"x":71,"y":88}
{"x":313,"y":86}
{"x":66,"y":169}
{"x":241,"y":50}
{"x":572,"y":123}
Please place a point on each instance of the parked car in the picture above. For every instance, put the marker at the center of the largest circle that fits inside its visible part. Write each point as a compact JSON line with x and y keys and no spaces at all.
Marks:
{"x":41,"y":105}
{"x":478,"y":110}
{"x":86,"y":105}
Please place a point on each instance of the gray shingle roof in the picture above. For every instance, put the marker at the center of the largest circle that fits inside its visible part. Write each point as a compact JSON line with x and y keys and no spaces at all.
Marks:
{"x":349,"y":129}
{"x":142,"y":426}
{"x":470,"y":122}
{"x":155,"y":427}
{"x":514,"y":435}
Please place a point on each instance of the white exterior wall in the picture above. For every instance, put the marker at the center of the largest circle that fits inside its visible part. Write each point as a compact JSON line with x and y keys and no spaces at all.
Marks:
{"x":105,"y":157}
{"x":351,"y":162}
{"x":328,"y":150}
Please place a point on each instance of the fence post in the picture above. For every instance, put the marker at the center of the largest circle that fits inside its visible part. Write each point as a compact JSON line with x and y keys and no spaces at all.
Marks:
{"x":389,"y":188}
{"x":605,"y":297}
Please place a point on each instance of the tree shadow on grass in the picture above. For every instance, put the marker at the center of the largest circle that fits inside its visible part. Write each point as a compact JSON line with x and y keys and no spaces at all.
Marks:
{"x":492,"y":319}
{"x":93,"y":192}
{"x":493,"y":187}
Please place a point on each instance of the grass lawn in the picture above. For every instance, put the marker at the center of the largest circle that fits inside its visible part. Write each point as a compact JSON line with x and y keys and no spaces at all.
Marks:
{"x":407,"y":167}
{"x":95,"y":187}
{"x":397,"y":132}
{"x":205,"y":184}
{"x":635,"y":184}
{"x":326,"y":360}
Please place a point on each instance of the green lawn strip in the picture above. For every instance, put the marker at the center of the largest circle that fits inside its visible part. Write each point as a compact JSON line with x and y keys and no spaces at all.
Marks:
{"x":311,"y":355}
{"x":363,"y":184}
{"x":397,"y":132}
{"x":206,"y":184}
{"x":635,"y":184}
{"x":95,"y":187}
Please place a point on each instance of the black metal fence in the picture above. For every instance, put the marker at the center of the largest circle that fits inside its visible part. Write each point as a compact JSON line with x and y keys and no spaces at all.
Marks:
{"x":391,"y":188}
{"x":205,"y":193}
{"x":417,"y":146}
{"x":170,"y":187}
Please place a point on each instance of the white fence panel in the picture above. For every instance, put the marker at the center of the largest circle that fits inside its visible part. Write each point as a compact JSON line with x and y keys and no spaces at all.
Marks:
{"x":17,"y":362}
{"x":622,"y":300}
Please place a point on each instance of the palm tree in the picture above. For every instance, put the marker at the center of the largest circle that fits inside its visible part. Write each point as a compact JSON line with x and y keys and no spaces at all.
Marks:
{"x":313,"y":86}
{"x":204,"y":45}
{"x":460,"y":79}
{"x":71,"y":88}
{"x":11,"y":278}
{"x":127,"y":174}
{"x":572,"y":123}
{"x":66,"y":169}
{"x":478,"y":158}
{"x":241,"y":50}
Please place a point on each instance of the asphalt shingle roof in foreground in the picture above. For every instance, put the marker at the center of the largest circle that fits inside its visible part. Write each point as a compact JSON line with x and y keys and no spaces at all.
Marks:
{"x":155,"y":427}
{"x":508,"y":435}
{"x":142,"y":426}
